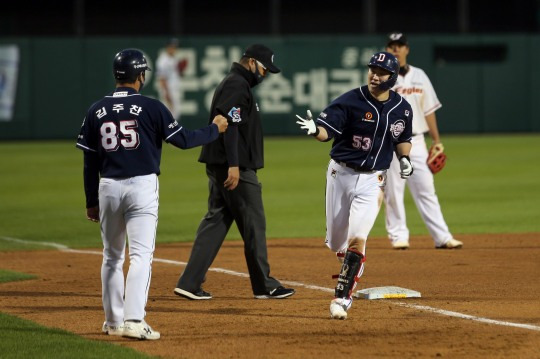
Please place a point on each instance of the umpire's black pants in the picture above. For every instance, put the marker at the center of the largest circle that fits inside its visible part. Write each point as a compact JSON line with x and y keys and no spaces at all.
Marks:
{"x":244,"y":206}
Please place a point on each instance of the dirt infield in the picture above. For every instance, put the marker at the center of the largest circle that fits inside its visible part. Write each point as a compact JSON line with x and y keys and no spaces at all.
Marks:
{"x":493,"y":277}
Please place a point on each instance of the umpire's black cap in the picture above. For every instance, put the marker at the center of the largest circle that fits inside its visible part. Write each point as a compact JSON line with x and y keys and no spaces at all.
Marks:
{"x":264,"y":55}
{"x":397,"y":37}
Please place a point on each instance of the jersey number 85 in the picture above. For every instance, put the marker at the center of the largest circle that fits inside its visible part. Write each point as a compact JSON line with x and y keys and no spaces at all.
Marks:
{"x":110,"y":132}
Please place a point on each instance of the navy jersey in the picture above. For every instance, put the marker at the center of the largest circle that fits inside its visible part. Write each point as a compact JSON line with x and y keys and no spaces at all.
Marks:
{"x":365,"y":131}
{"x":126,"y":130}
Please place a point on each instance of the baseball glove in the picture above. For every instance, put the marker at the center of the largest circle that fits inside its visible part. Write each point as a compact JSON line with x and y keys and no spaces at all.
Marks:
{"x":436,"y":158}
{"x":181,"y":66}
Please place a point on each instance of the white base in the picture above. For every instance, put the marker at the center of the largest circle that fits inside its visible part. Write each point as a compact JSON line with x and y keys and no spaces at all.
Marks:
{"x":386,"y":293}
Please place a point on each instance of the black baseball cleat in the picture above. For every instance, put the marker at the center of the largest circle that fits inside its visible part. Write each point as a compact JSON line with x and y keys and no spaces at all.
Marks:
{"x":277,"y":293}
{"x":198,"y":295}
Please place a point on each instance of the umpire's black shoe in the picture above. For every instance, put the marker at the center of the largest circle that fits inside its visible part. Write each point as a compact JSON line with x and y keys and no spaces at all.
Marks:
{"x":198,"y":295}
{"x":278,"y":293}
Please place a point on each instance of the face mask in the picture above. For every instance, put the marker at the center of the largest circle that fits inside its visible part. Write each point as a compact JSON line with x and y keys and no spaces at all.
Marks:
{"x":257,"y":74}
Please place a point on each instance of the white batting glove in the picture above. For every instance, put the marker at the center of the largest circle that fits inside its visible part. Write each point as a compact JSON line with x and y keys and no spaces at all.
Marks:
{"x":308,"y":124}
{"x":406,"y":168}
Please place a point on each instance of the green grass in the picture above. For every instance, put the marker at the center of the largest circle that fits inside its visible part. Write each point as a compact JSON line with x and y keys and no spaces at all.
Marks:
{"x":490,"y":185}
{"x":24,"y":339}
{"x":9,"y":276}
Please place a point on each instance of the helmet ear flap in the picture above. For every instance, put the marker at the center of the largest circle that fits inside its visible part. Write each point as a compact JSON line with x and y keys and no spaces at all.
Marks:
{"x":388,"y":84}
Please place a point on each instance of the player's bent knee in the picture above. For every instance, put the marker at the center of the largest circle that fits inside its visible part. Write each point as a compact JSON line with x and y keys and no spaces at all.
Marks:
{"x":357,"y":243}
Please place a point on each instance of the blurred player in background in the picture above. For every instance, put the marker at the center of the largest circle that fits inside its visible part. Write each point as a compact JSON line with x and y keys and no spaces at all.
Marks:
{"x":169,"y":70}
{"x":414,"y":85}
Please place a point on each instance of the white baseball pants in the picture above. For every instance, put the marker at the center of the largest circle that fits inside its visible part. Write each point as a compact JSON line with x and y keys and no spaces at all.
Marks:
{"x":174,"y":95}
{"x":422,"y":187}
{"x":353,"y":200}
{"x":127,"y":207}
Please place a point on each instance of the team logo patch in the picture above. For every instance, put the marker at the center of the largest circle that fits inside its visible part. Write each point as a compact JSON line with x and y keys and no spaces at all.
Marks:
{"x":407,"y":113}
{"x":333,"y":173}
{"x":234,"y":114}
{"x":396,"y":36}
{"x":397,"y":128}
{"x":368,"y":117}
{"x":323,"y":115}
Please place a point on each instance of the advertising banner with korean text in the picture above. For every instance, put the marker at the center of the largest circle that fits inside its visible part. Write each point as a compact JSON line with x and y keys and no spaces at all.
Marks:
{"x":310,"y":78}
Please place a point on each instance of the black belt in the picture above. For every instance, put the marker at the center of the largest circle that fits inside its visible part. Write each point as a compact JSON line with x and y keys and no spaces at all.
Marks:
{"x":356,"y":168}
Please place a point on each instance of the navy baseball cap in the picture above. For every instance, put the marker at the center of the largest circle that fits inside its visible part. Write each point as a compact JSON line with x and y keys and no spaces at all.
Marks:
{"x":397,"y":37}
{"x":264,"y":55}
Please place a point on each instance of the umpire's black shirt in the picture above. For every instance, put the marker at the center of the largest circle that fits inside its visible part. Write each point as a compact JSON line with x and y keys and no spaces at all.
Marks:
{"x":234,"y":100}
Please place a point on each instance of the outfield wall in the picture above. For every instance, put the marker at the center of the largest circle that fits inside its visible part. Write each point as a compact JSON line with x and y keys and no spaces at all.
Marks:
{"x":485,"y":83}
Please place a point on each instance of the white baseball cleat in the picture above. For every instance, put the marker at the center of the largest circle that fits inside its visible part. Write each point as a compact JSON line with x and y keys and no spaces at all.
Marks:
{"x":451,"y":244}
{"x":113,"y":329}
{"x":139,"y":330}
{"x":400,"y":244}
{"x":338,"y":309}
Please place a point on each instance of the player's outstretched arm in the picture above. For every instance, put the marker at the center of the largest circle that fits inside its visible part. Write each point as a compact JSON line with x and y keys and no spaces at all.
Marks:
{"x":221,"y":123}
{"x":311,"y":128}
{"x":185,"y":138}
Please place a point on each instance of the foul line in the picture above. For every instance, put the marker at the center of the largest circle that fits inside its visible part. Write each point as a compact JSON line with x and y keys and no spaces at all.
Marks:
{"x":425,"y":308}
{"x":469,"y":317}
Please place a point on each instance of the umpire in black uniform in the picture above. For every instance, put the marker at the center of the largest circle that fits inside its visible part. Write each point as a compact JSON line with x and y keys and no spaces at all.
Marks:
{"x":235,"y":192}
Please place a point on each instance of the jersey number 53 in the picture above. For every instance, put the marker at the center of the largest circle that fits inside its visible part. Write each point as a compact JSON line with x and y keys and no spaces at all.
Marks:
{"x":361,"y":143}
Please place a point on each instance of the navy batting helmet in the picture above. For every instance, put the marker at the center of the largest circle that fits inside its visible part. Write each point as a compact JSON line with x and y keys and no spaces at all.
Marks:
{"x":389,"y":62}
{"x":128,"y":64}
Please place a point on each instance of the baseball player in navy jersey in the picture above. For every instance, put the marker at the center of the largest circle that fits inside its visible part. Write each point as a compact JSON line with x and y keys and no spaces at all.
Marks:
{"x":121,"y":137}
{"x":368,"y":124}
{"x":414,"y":85}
